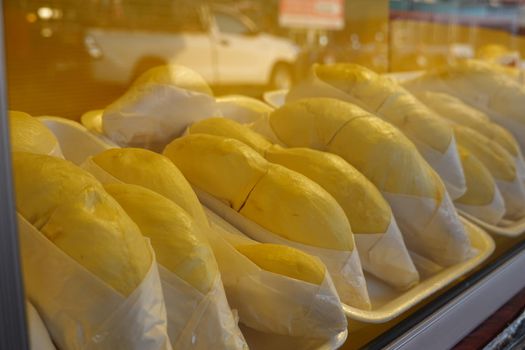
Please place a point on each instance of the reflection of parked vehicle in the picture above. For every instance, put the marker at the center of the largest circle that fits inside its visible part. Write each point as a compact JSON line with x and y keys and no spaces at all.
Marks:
{"x":222,"y":45}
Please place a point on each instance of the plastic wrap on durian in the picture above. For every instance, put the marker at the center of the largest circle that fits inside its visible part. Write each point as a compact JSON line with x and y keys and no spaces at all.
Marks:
{"x":390,"y":101}
{"x":158,"y":107}
{"x":245,"y":297}
{"x":28,"y":134}
{"x":482,"y":86}
{"x":483,"y":199}
{"x":390,"y":161}
{"x":250,"y":185}
{"x":378,"y":239}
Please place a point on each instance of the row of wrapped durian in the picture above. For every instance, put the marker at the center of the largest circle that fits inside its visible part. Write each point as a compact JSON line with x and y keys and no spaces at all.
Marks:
{"x":98,"y":214}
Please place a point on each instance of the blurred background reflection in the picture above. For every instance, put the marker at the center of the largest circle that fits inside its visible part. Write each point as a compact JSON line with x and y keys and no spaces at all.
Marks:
{"x":65,"y":57}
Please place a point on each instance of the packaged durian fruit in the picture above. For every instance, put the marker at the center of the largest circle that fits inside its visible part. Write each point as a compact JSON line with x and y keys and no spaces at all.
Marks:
{"x":243,"y":287}
{"x":421,"y":205}
{"x":378,"y":240}
{"x":257,"y":269}
{"x":483,"y":199}
{"x":198,"y":313}
{"x":241,"y":108}
{"x":87,"y":267}
{"x":458,"y":112}
{"x":157,"y":107}
{"x":289,"y":208}
{"x":484,"y":87}
{"x":385,"y":98}
{"x":501,"y":166}
{"x":28,"y":134}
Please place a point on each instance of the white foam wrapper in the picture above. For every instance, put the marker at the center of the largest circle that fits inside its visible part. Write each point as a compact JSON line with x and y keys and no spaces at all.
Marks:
{"x":386,"y":256}
{"x":80,"y":310}
{"x":269,"y":302}
{"x":513,"y":193}
{"x":75,"y":140}
{"x":151,"y":115}
{"x":430,"y":229}
{"x":195,"y":321}
{"x":491,"y":213}
{"x":343,"y":266}
{"x":199,"y":321}
{"x":446,"y":164}
{"x":39,"y":338}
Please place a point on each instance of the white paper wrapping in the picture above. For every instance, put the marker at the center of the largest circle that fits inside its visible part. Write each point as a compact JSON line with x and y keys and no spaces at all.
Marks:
{"x":343,"y":266}
{"x":491,"y":213}
{"x":386,"y":256}
{"x":431,"y":229}
{"x":39,"y":338}
{"x":81,"y":311}
{"x":513,"y":193}
{"x":195,"y":321}
{"x":446,"y":164}
{"x":56,"y":152}
{"x":199,"y":321}
{"x":270,"y":302}
{"x":150,"y":116}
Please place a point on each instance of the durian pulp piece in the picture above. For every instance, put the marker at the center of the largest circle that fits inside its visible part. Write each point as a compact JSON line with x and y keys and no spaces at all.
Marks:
{"x":154,"y":171}
{"x":374,"y":147}
{"x":243,"y":109}
{"x":42,"y":183}
{"x":285,"y":261}
{"x":173,"y":74}
{"x":29,"y":134}
{"x":480,"y":183}
{"x":178,"y":244}
{"x":226,"y":168}
{"x":364,"y":206}
{"x":280,"y":200}
{"x":457,"y":111}
{"x":228,"y":128}
{"x":494,"y":157}
{"x":96,"y":232}
{"x":298,"y":209}
{"x":389,"y":100}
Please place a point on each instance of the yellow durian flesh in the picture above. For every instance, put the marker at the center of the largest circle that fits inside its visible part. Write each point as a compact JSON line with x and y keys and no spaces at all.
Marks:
{"x":480,"y":184}
{"x":154,"y":171}
{"x":384,"y":155}
{"x":28,"y":134}
{"x":226,"y":168}
{"x":358,"y":81}
{"x":178,"y":244}
{"x":455,"y":110}
{"x":494,"y":157}
{"x":229,"y":128}
{"x":42,"y":183}
{"x":417,"y":121}
{"x":96,"y":232}
{"x":403,"y":110}
{"x":173,"y":74}
{"x":285,"y":260}
{"x":374,"y":147}
{"x":298,"y":209}
{"x":363,"y":204}
{"x":303,"y":123}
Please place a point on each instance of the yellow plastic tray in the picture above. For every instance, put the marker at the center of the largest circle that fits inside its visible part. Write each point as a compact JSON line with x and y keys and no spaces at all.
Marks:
{"x":387,"y":303}
{"x":505,"y":228}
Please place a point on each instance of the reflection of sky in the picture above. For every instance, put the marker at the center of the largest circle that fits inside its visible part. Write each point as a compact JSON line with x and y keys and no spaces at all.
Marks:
{"x":458,"y":7}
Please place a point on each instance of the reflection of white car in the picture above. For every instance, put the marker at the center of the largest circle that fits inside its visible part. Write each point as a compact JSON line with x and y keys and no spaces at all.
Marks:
{"x":222,"y":45}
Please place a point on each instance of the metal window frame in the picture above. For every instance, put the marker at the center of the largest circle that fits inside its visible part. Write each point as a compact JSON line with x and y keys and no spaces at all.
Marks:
{"x":448,"y":319}
{"x":13,"y":329}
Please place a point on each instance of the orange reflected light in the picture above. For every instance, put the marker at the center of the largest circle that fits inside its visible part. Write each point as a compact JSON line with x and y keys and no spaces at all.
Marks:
{"x":31,"y":17}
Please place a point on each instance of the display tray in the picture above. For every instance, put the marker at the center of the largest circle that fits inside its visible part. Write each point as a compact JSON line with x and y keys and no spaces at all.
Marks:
{"x":387,"y":302}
